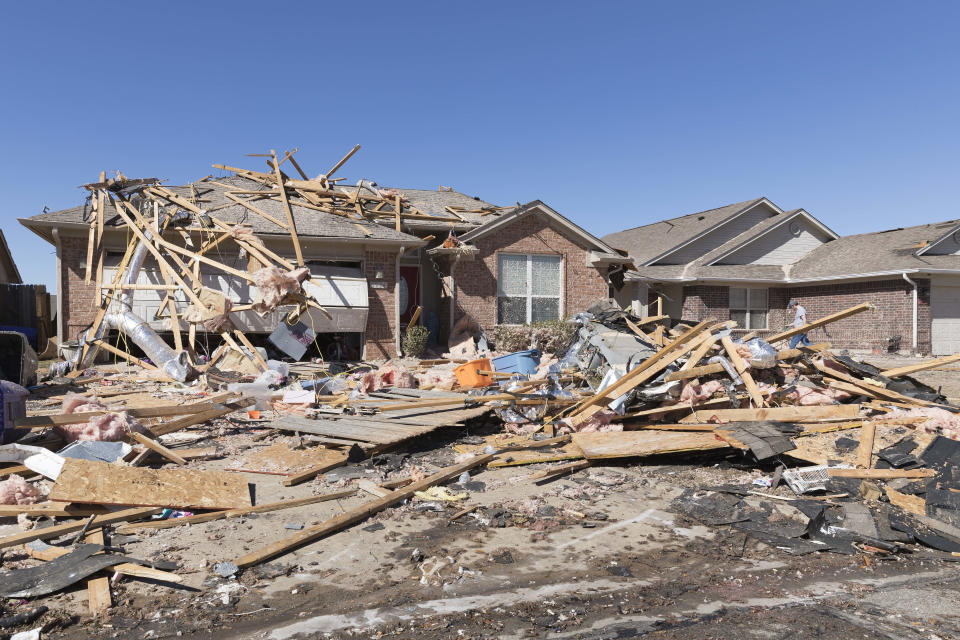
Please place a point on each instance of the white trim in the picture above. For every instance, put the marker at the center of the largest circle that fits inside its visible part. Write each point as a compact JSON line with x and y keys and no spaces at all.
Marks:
{"x":710,"y":230}
{"x":751,"y":240}
{"x":636,"y":277}
{"x":948,"y":234}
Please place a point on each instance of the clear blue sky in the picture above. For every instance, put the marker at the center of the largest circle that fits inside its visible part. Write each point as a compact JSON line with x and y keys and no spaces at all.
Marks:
{"x":616,"y":114}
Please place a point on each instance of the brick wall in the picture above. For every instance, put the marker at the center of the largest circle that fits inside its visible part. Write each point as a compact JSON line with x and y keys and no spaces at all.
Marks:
{"x":476,"y":280}
{"x":865,"y":331}
{"x":706,"y":301}
{"x":80,"y":300}
{"x":381,"y":320}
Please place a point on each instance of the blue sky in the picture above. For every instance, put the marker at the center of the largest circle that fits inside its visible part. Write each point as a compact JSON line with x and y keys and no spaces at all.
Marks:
{"x":615,"y":114}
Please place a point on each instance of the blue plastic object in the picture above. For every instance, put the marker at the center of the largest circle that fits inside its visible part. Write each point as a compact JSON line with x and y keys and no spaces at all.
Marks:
{"x":519,"y":362}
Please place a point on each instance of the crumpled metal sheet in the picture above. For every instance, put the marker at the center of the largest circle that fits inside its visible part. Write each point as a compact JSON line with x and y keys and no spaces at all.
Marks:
{"x":59,"y":573}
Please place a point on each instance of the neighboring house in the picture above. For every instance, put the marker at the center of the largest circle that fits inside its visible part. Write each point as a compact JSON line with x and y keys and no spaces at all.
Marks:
{"x":8,"y":268}
{"x":370,"y":277}
{"x":745,"y":261}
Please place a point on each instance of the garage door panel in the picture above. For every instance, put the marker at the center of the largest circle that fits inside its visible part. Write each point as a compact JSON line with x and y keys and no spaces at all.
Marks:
{"x":945,"y":312}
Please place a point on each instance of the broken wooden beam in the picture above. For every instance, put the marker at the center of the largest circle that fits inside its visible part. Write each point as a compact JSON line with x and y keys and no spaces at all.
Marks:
{"x":922,"y":366}
{"x":357,"y":514}
{"x":833,"y":317}
{"x":776,"y":414}
{"x":880,"y":474}
{"x":70,"y":527}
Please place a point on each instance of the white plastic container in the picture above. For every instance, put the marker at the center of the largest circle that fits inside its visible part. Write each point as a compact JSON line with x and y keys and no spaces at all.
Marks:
{"x":13,"y":405}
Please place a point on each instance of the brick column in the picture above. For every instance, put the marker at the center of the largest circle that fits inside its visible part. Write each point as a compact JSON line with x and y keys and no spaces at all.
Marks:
{"x":381,"y":319}
{"x":80,"y":300}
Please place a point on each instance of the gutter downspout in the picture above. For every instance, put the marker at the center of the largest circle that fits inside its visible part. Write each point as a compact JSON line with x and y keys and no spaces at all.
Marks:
{"x":396,"y":298}
{"x":57,"y":244}
{"x":914,"y":284}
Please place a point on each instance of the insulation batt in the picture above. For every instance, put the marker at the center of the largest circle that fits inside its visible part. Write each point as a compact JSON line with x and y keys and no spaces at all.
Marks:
{"x":76,"y":403}
{"x":273,"y":284}
{"x":389,"y":375}
{"x":941,"y":421}
{"x":698,"y":392}
{"x":106,"y":427}
{"x":16,"y":490}
{"x":442,"y":379}
{"x":598,"y":423}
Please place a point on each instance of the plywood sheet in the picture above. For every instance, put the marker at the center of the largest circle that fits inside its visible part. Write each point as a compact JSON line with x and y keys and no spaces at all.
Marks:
{"x":282,"y":459}
{"x":821,"y":448}
{"x":90,"y":482}
{"x":628,"y":444}
{"x":547,"y":453}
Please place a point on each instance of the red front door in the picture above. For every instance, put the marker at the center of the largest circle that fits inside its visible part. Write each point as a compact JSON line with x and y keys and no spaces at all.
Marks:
{"x":409,"y":292}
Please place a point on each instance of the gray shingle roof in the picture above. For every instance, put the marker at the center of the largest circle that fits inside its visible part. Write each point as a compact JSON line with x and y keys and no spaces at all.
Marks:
{"x":880,"y":251}
{"x":648,"y":241}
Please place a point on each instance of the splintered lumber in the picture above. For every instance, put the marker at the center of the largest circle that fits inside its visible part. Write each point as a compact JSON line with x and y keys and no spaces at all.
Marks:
{"x":695,"y":372}
{"x":218,"y":411}
{"x":562,"y":469}
{"x":699,"y":353}
{"x":644,"y":371}
{"x":233,"y":513}
{"x":106,"y":346}
{"x":631,"y":444}
{"x":855,"y":386}
{"x":661,"y":411}
{"x":787,"y":354}
{"x":164,"y":411}
{"x":155,"y":446}
{"x":911,"y":504}
{"x":881,"y":474}
{"x":292,"y":226}
{"x":777,"y":414}
{"x":833,"y":317}
{"x":125,"y":569}
{"x":343,"y":161}
{"x":922,"y":366}
{"x":446,"y":402}
{"x":741,"y":368}
{"x":868,"y":434}
{"x":92,"y":482}
{"x":358,"y":514}
{"x":99,"y":597}
{"x":56,"y":531}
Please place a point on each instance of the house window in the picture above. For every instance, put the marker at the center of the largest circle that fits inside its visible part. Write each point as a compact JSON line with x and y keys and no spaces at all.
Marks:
{"x":528,"y":288}
{"x":748,"y":307}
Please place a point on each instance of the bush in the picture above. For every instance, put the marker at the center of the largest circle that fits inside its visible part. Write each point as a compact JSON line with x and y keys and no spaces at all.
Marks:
{"x":415,"y":341}
{"x":549,"y":337}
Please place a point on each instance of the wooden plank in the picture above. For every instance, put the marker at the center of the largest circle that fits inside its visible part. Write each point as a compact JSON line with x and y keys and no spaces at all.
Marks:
{"x":162,"y":411}
{"x":661,"y":411}
{"x":257,"y":358}
{"x":371,"y":487}
{"x":777,"y":414}
{"x":911,"y":504}
{"x":833,"y":317}
{"x":922,"y":366}
{"x":698,"y":354}
{"x":218,"y":411}
{"x":98,"y":589}
{"x":56,"y":531}
{"x":694,"y":372}
{"x":106,"y":346}
{"x":865,"y":451}
{"x":17,"y":468}
{"x":629,"y":444}
{"x":313,"y":472}
{"x":564,"y":468}
{"x":50,"y":509}
{"x":337,"y":166}
{"x":156,"y":447}
{"x":787,"y":354}
{"x":292,"y":226}
{"x":358,"y":514}
{"x":752,"y":389}
{"x":99,"y":246}
{"x":881,"y":474}
{"x":282,"y":459}
{"x":91,"y":482}
{"x":865,"y":388}
{"x":233,"y":513}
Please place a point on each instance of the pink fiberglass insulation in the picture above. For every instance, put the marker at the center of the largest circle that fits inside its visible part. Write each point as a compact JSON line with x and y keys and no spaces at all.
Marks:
{"x":599,"y":422}
{"x":442,"y":379}
{"x":273,"y":284}
{"x":106,"y":427}
{"x":394,"y":375}
{"x":16,"y":490}
{"x":805,"y":396}
{"x":697,"y":392}
{"x":941,"y":421}
{"x":76,"y":403}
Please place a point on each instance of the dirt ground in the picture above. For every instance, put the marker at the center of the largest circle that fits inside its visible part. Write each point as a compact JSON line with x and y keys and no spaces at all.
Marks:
{"x":599,"y":554}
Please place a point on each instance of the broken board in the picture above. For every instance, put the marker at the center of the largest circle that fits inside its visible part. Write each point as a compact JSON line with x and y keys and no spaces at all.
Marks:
{"x":533,"y":455}
{"x":631,"y":444}
{"x":283,"y":460}
{"x":85,"y":481}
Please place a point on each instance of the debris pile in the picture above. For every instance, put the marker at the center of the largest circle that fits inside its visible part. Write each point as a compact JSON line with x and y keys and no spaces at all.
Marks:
{"x":109,"y":468}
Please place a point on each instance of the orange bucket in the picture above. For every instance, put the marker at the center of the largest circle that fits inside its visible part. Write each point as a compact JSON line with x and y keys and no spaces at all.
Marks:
{"x":468,"y":377}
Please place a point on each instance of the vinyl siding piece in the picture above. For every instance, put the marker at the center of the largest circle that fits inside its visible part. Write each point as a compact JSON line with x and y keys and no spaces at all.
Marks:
{"x":719,"y":236}
{"x":785,"y":244}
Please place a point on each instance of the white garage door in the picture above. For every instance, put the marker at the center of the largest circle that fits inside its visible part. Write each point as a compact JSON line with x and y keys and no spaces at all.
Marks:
{"x":945,"y":309}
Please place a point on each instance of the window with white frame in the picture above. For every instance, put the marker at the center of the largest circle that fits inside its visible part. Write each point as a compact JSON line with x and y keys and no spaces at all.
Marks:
{"x":748,"y":307}
{"x":528,"y":288}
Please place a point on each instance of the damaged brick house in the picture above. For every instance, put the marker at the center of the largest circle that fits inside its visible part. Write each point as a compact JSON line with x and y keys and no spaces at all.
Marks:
{"x":745,"y":261}
{"x":368,"y":275}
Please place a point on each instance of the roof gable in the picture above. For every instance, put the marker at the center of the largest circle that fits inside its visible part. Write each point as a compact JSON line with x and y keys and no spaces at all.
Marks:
{"x":537,"y":207}
{"x":781,"y":241}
